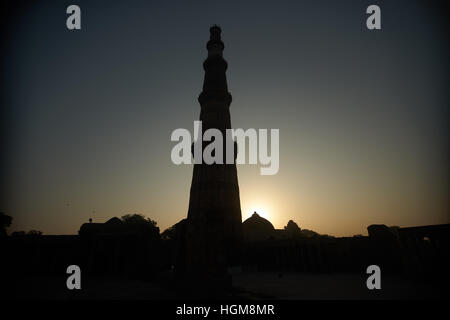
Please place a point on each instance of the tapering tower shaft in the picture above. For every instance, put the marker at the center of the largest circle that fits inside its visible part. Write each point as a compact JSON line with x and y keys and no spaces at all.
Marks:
{"x":214,"y":224}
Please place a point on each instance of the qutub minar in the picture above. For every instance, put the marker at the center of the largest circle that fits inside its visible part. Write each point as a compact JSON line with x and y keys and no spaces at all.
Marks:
{"x":214,"y":224}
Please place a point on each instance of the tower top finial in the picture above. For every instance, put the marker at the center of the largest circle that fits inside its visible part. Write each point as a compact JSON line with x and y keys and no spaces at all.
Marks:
{"x":215,"y":28}
{"x":215,"y":32}
{"x":215,"y":45}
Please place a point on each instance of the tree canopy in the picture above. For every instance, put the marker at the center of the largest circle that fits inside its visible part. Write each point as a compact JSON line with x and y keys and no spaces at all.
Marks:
{"x":141,"y":224}
{"x":138,"y":219}
{"x":5,"y":222}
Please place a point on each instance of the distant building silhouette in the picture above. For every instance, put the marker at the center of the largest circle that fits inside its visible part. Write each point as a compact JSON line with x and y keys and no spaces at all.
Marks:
{"x":112,"y":226}
{"x":115,"y":249}
{"x":257,"y":228}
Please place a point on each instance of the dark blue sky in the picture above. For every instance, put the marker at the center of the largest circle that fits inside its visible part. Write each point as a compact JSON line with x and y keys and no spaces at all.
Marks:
{"x":363,"y":115}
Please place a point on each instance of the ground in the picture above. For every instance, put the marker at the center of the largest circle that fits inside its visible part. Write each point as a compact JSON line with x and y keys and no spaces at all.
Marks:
{"x":332,"y":286}
{"x":248,"y":285}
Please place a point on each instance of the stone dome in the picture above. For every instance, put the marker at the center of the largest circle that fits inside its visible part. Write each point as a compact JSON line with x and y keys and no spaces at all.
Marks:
{"x":257,"y":228}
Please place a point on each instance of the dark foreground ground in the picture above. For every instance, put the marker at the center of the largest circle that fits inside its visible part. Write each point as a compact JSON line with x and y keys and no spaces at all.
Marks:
{"x":299,"y":286}
{"x":249,"y":285}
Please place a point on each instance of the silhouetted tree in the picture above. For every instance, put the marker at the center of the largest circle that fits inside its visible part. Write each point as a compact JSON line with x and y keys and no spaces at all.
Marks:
{"x":5,"y":222}
{"x":174,"y":244}
{"x":172,"y":232}
{"x":29,"y":233}
{"x":138,"y":219}
{"x":169,"y":233}
{"x":141,"y":224}
{"x":34,"y":233}
{"x":18,"y":234}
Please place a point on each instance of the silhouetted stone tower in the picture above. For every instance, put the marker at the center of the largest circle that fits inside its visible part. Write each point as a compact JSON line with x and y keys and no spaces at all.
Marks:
{"x":214,"y":224}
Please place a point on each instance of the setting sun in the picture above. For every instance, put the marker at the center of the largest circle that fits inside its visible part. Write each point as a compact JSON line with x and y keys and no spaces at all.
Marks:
{"x":262,"y":209}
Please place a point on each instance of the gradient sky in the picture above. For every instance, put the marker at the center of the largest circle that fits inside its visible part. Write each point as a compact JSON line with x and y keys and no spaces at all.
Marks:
{"x":363,"y":115}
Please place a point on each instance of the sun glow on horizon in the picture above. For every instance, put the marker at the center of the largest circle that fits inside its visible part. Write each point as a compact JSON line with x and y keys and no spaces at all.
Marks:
{"x":262,"y":210}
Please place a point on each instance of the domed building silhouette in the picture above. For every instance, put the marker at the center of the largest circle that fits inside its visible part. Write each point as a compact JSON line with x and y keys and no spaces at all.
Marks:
{"x":112,"y":226}
{"x":256,"y":228}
